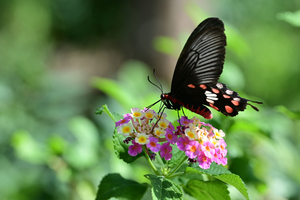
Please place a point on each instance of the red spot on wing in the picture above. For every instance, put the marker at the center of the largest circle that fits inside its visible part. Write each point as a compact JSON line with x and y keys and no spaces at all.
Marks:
{"x":226,"y":96}
{"x":191,"y":86}
{"x":228,"y":109}
{"x":236,"y":103}
{"x":215,"y":90}
{"x":203,"y":86}
{"x":213,"y":106}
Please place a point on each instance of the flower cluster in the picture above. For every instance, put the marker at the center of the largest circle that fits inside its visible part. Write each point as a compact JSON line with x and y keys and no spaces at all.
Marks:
{"x":201,"y":142}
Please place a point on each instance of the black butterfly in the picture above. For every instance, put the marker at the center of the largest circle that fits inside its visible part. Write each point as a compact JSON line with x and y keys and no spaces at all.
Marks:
{"x":195,"y":79}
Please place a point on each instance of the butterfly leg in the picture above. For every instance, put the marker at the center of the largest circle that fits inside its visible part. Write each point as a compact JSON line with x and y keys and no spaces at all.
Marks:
{"x":159,"y":115}
{"x":178,"y":117}
{"x":183,"y":112}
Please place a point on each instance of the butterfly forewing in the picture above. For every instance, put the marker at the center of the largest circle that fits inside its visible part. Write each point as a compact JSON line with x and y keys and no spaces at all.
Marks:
{"x":201,"y":60}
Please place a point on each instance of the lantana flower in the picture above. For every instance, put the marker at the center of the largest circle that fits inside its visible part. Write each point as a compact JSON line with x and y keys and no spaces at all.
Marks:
{"x":142,"y":138}
{"x":192,"y":149}
{"x":134,"y":149}
{"x":165,"y":151}
{"x":200,"y":141}
{"x":137,"y":113}
{"x":171,"y":137}
{"x":153,"y":144}
{"x":125,"y":129}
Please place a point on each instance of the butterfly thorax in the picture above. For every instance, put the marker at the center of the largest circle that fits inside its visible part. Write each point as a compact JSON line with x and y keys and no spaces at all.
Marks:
{"x":170,"y":101}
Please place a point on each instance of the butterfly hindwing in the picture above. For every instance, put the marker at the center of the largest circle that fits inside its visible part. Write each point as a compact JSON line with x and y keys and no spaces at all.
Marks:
{"x":219,"y":97}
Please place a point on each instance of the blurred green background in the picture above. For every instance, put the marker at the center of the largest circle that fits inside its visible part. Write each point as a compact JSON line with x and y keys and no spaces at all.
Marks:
{"x":62,"y":59}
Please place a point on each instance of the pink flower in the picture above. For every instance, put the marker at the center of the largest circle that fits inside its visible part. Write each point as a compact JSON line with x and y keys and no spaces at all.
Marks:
{"x":171,"y":127}
{"x":182,"y":142}
{"x":153,"y":145}
{"x":134,"y":149}
{"x":192,"y":149}
{"x":208,"y":149}
{"x":165,"y":151}
{"x":170,"y":136}
{"x":185,"y":121}
{"x":222,"y":147}
{"x":224,"y":161}
{"x":204,"y":161}
{"x":217,"y":157}
{"x":125,"y":120}
{"x":206,"y":124}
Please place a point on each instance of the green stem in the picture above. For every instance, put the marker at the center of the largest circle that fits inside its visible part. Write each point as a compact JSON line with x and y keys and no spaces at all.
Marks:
{"x":175,"y":174}
{"x":106,"y":110}
{"x":149,"y":161}
{"x":176,"y":168}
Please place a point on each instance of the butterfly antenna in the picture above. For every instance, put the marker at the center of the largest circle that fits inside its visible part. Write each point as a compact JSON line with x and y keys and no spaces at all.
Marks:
{"x":154,"y":84}
{"x":161,"y":88}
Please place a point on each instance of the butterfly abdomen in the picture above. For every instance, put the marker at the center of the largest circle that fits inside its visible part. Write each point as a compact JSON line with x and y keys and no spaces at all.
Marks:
{"x":199,"y":109}
{"x":173,"y":103}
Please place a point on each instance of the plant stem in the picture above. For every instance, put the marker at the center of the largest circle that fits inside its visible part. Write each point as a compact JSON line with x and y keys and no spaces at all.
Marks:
{"x":176,"y":168}
{"x":149,"y":161}
{"x":107,"y":111}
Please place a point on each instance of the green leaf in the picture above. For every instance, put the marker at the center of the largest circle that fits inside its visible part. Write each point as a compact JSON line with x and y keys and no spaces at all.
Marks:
{"x":99,"y":111}
{"x":121,"y":149}
{"x":195,"y":12}
{"x":165,"y":45}
{"x":236,"y":42}
{"x":177,"y":157}
{"x":28,"y":148}
{"x":164,"y":189}
{"x":292,"y":18}
{"x":290,"y":114}
{"x":235,"y":181}
{"x":87,"y":143}
{"x":215,"y":190}
{"x":113,"y":89}
{"x":214,"y":169}
{"x":221,"y":173}
{"x":113,"y":185}
{"x":57,"y":144}
{"x":178,"y":163}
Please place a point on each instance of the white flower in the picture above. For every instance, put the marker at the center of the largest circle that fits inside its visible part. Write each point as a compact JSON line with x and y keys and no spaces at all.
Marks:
{"x":125,"y":129}
{"x":162,"y":116}
{"x":190,"y":133}
{"x":137,"y":113}
{"x":163,"y":123}
{"x":159,"y":132}
{"x":142,"y":138}
{"x":149,"y":114}
{"x":218,"y":134}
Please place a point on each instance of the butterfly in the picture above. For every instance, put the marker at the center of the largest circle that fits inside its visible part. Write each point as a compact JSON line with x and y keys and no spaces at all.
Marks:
{"x":195,"y":80}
